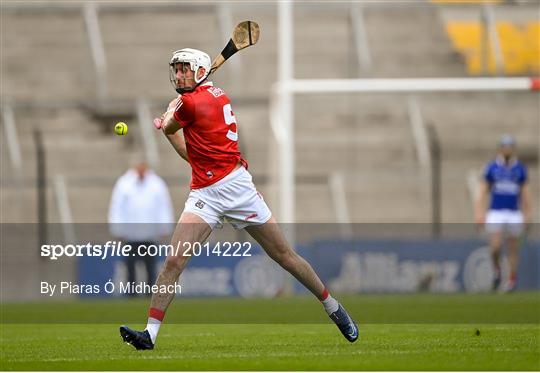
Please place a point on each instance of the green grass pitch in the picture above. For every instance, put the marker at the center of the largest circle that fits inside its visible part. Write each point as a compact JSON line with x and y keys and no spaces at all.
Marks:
{"x":397,"y":332}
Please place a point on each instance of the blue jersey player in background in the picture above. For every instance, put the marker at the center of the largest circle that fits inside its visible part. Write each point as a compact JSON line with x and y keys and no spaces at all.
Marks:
{"x":509,"y":211}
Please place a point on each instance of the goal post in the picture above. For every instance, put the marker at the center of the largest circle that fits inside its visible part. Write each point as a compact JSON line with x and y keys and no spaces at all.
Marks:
{"x":282,"y":113}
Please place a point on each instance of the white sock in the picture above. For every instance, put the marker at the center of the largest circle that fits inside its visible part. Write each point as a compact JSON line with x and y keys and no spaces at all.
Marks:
{"x":330,"y":305}
{"x":153,"y":328}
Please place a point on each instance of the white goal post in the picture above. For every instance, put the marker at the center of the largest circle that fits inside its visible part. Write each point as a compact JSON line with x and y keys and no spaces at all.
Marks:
{"x":282,"y":109}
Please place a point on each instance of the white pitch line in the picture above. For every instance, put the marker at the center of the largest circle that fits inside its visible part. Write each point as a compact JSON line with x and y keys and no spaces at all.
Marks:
{"x":263,"y":355}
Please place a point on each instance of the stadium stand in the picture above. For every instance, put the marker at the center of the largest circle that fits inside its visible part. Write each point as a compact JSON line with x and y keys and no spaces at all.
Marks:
{"x":515,"y":41}
{"x":367,"y":138}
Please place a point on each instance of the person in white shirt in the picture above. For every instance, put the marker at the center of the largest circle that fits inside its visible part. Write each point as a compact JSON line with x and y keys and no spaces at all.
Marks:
{"x":140,"y":214}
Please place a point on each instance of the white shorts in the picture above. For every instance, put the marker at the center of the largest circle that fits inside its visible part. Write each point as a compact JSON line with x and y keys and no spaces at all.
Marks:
{"x":233,"y":198}
{"x":510,"y":221}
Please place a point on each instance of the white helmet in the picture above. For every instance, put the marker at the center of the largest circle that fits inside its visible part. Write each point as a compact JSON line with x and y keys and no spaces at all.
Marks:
{"x":195,"y":58}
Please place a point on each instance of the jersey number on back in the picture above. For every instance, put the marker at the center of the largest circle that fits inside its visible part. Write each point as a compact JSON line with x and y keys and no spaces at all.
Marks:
{"x":230,"y":119}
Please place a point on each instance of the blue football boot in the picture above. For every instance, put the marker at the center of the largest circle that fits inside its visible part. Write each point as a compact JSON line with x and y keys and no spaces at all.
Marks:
{"x":139,"y":340}
{"x":345,"y":323}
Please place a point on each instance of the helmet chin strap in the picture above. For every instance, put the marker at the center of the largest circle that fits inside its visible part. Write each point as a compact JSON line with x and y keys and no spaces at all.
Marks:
{"x":181,"y":91}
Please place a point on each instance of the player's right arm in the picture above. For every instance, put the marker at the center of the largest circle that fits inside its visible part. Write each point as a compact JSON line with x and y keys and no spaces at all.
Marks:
{"x":481,"y":199}
{"x":168,"y":124}
{"x":182,"y":116}
{"x":480,"y":204}
{"x":179,"y":114}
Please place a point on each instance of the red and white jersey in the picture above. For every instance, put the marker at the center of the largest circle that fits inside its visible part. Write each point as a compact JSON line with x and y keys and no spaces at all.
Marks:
{"x":210,"y":133}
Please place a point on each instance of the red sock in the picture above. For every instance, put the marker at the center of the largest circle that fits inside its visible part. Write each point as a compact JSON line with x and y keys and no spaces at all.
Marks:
{"x":513,"y":277}
{"x":156,"y":314}
{"x":324,"y":295}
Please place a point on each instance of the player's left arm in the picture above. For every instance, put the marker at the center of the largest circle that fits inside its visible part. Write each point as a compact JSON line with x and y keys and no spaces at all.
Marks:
{"x":179,"y":144}
{"x":480,"y":203}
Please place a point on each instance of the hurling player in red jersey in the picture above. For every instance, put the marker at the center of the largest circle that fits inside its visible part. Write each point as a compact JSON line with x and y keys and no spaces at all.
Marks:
{"x":221,"y":187}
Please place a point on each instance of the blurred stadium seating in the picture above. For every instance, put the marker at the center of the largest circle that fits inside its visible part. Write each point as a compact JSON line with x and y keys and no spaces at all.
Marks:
{"x":48,"y":80}
{"x":50,"y":84}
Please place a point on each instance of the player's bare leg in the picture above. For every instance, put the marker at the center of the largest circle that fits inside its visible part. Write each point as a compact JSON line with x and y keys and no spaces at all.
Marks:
{"x":270,"y":237}
{"x":190,"y":229}
{"x":513,"y":260}
{"x":272,"y":240}
{"x":495,"y":245}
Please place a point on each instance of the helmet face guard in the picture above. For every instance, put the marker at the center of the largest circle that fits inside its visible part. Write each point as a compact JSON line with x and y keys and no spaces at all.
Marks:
{"x":196,"y":59}
{"x":174,"y":81}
